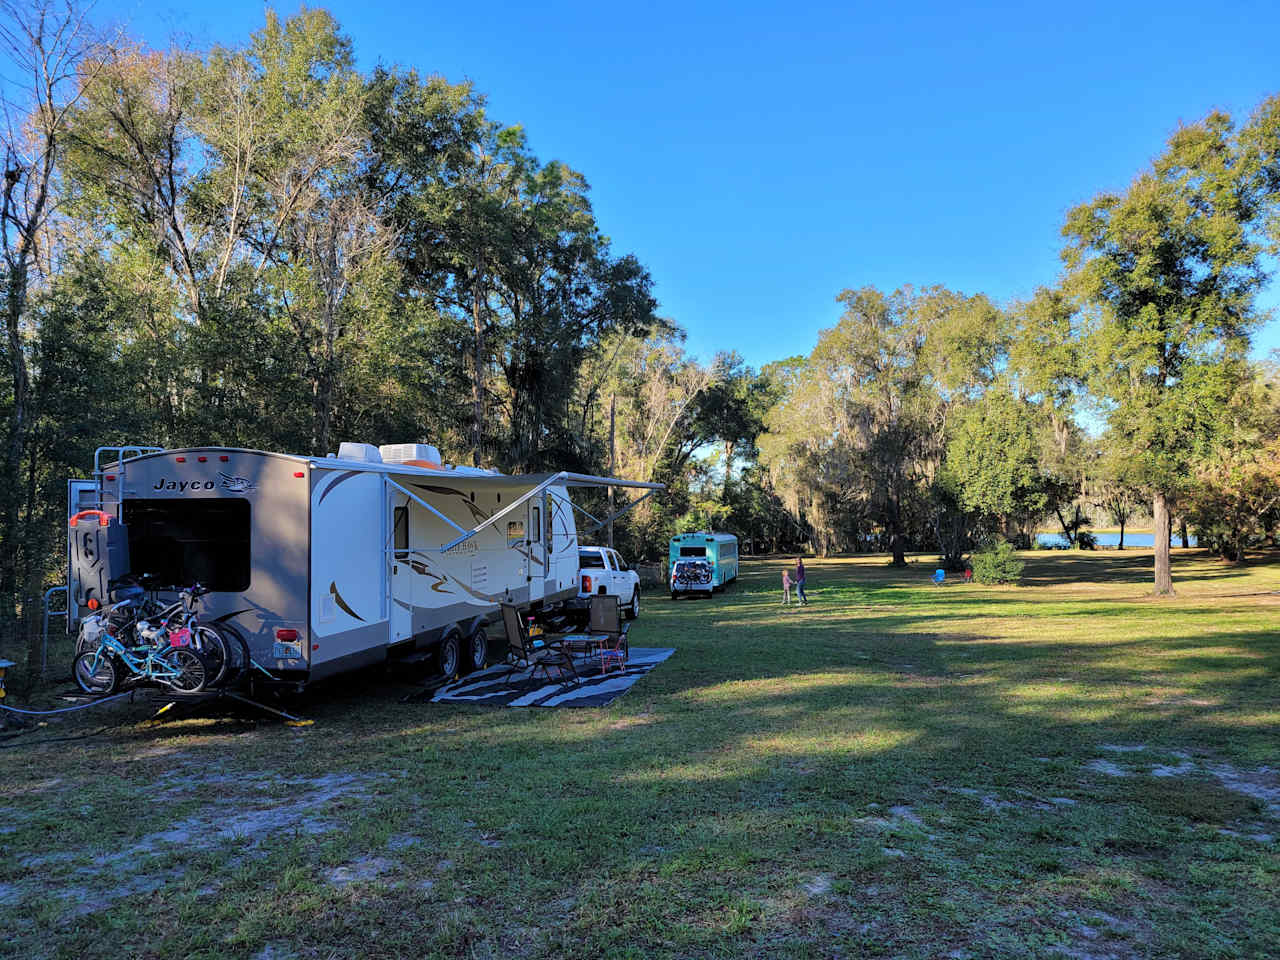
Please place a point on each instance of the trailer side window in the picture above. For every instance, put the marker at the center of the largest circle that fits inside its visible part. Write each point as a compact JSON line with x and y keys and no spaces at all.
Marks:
{"x":515,"y":533}
{"x":401,"y":533}
{"x":185,"y":541}
{"x":536,"y":524}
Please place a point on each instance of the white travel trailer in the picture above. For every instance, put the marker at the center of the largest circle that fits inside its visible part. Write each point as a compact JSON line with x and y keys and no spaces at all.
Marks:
{"x":326,"y":564}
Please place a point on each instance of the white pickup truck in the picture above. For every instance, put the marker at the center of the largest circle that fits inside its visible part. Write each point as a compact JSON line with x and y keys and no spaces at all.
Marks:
{"x":603,"y":572}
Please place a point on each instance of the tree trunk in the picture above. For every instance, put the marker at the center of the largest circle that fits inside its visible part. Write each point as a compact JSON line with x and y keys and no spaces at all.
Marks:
{"x":1186,"y":540}
{"x":1121,"y":547}
{"x":1067,"y":532}
{"x":10,"y":585}
{"x":728,"y":462}
{"x":613,"y":457}
{"x":895,"y":536}
{"x":477,"y":381}
{"x":1161,"y":530}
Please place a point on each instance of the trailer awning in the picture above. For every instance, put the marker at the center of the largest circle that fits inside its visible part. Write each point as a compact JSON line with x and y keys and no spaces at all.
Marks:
{"x":541,"y":482}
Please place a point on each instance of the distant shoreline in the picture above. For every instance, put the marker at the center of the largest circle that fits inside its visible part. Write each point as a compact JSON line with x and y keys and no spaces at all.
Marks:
{"x":1057,"y":531}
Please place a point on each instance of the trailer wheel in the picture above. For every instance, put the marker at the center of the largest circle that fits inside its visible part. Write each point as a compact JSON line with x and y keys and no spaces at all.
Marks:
{"x":238,"y":651}
{"x":449,"y":654}
{"x":478,"y":650}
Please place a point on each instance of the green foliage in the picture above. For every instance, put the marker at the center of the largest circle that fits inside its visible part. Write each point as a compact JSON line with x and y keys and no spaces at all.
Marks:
{"x":997,"y":562}
{"x":1170,"y":271}
{"x":994,"y":459}
{"x":859,"y":427}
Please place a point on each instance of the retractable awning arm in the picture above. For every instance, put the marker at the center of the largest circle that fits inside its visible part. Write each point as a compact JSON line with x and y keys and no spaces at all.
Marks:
{"x":564,"y":478}
{"x":422,"y":503}
{"x":617,"y":513}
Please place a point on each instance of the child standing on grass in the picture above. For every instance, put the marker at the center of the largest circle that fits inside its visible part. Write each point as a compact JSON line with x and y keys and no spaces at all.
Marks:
{"x":804,"y":600}
{"x":786,"y":587}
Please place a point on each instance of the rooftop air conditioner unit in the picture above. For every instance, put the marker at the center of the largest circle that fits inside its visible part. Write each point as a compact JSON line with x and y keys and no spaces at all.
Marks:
{"x":411,"y":454}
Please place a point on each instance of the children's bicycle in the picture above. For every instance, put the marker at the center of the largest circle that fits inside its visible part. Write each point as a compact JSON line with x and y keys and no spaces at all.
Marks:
{"x":181,"y":668}
{"x":142,"y":627}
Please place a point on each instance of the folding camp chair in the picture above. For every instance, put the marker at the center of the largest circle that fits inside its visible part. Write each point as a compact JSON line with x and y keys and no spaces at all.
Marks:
{"x":523,"y":653}
{"x":609,"y":631}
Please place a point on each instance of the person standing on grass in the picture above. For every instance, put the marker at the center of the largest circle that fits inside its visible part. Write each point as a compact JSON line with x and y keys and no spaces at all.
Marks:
{"x":804,"y":600}
{"x":786,"y":586}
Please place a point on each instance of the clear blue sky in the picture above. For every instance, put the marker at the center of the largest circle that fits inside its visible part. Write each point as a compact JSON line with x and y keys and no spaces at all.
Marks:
{"x":759,"y":158}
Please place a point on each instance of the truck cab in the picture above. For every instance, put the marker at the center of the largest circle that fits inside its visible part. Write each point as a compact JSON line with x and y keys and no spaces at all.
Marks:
{"x":603,"y":572}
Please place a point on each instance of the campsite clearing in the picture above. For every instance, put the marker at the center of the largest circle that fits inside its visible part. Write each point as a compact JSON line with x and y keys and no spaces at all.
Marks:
{"x":1068,"y":768}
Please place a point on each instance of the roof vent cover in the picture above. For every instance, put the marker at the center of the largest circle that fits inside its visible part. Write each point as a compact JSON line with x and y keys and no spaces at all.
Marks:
{"x":359,"y":451}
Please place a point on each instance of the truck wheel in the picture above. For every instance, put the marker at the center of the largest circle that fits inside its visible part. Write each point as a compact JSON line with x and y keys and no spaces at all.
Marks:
{"x":633,"y":608}
{"x":478,"y":650}
{"x":449,"y":654}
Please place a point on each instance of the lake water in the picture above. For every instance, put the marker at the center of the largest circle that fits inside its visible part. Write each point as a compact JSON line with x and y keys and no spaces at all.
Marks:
{"x":1147,"y":540}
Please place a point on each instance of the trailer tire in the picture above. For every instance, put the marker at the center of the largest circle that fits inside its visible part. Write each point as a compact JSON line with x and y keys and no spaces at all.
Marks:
{"x":477,"y":650}
{"x":449,"y":654}
{"x":238,"y":649}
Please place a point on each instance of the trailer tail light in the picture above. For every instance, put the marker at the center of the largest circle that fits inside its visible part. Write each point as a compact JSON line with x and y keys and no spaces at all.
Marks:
{"x":586,"y":584}
{"x":299,"y":474}
{"x":224,"y":458}
{"x":110,"y":476}
{"x":202,"y":459}
{"x":93,"y":603}
{"x":287,"y":635}
{"x":181,"y":459}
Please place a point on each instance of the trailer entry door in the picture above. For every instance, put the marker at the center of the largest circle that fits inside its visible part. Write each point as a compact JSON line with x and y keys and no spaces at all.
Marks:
{"x":183,"y":541}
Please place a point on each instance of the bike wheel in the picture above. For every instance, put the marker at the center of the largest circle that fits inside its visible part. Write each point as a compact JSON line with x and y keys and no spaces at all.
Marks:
{"x":96,"y":673}
{"x":208,"y":641}
{"x":190,"y":671}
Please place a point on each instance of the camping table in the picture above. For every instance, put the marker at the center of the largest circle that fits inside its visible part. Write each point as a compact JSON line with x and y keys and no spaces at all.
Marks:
{"x":584,"y":643}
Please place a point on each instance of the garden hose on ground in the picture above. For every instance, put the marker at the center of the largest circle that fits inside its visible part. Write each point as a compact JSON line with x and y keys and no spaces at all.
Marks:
{"x":78,"y":706}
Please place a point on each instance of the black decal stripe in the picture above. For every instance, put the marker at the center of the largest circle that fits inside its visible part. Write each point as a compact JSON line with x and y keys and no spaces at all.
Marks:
{"x":337,"y":597}
{"x":340,"y":478}
{"x":476,"y":512}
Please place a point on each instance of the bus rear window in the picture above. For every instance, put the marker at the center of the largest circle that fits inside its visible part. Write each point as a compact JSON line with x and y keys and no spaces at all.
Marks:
{"x":184,"y":541}
{"x":693,"y":551}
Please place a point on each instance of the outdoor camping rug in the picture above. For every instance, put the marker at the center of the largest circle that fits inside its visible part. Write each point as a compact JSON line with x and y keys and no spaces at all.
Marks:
{"x":499,"y":686}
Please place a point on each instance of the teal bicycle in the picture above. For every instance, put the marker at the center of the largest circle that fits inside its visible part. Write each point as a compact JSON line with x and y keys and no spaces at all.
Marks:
{"x":177,"y":665}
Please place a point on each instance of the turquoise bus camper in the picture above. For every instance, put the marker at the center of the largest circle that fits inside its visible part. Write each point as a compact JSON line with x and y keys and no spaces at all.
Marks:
{"x":702,"y":562}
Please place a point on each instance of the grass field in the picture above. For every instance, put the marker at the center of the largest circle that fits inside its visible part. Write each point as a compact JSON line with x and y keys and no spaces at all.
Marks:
{"x":1068,"y":768}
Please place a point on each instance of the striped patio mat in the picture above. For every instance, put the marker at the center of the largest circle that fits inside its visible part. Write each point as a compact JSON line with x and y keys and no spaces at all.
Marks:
{"x":499,"y":686}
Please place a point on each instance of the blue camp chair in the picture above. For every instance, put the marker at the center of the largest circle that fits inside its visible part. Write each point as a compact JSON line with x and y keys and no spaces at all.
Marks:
{"x":938,"y":576}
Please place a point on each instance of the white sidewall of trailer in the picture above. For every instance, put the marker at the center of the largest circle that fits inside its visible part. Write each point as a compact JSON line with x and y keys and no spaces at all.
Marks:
{"x":348,"y":562}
